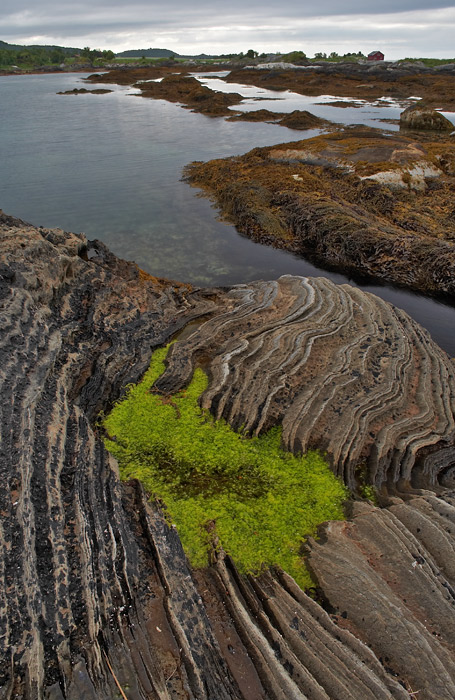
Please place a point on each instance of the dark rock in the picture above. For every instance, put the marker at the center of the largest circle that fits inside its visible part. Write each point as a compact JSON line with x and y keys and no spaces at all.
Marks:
{"x":96,"y":597}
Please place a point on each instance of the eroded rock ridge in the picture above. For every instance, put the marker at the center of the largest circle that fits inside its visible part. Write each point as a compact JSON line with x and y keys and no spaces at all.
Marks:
{"x":96,"y":597}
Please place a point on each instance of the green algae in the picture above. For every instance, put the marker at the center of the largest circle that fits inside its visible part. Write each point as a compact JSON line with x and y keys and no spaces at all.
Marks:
{"x":257,"y":499}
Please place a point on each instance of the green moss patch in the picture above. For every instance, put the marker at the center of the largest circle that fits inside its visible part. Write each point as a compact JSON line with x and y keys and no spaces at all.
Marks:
{"x":259,"y":500}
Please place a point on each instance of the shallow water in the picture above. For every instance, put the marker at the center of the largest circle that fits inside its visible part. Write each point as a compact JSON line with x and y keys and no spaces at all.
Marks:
{"x":110,"y":166}
{"x":357,"y":111}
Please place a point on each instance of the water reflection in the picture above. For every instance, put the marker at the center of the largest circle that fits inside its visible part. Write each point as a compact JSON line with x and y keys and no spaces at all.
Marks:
{"x":110,"y":166}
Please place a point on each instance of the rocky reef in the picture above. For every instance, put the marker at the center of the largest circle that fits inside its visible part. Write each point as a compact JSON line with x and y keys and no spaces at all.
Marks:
{"x":360,"y":80}
{"x":97,"y":599}
{"x":84,"y":91}
{"x":298,"y":119}
{"x":356,"y":199}
{"x":165,"y":84}
{"x":418,"y":117}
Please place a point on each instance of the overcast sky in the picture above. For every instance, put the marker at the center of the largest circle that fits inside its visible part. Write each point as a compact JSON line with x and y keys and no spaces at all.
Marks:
{"x":399,"y":28}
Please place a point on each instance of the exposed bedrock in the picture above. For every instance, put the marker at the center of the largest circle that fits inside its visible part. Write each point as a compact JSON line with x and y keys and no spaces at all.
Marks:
{"x":421,"y":117}
{"x":342,"y":370}
{"x":77,"y":326}
{"x":97,"y":600}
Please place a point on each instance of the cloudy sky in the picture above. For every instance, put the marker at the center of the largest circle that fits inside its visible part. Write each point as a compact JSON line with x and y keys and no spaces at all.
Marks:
{"x":399,"y":28}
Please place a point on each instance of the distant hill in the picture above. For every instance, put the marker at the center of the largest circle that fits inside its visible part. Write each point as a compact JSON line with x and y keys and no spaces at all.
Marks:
{"x":156,"y":53}
{"x":19,"y":47}
{"x":148,"y":53}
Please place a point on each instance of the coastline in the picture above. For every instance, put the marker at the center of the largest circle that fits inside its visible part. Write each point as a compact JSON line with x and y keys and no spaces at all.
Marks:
{"x":98,"y":556}
{"x":97,"y":594}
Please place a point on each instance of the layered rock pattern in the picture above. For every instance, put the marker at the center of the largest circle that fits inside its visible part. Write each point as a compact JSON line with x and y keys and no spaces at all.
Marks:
{"x":96,"y":597}
{"x":77,"y":326}
{"x":340,"y":369}
{"x":399,"y":559}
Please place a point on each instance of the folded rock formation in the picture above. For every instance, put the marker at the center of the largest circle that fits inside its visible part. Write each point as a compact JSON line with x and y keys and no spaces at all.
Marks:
{"x":96,"y":597}
{"x":340,"y":369}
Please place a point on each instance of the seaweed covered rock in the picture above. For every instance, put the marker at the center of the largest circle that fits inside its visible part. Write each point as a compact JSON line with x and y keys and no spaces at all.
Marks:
{"x":422,"y":117}
{"x":356,"y":199}
{"x":190,"y":92}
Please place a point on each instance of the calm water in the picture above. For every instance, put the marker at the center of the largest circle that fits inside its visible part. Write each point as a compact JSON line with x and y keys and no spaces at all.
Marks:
{"x":110,"y":166}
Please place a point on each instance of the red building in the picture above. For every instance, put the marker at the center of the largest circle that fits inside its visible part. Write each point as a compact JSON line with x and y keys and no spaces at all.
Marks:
{"x":376,"y":56}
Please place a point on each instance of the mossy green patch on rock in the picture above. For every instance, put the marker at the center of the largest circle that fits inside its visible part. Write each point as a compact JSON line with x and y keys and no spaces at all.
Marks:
{"x":259,"y":500}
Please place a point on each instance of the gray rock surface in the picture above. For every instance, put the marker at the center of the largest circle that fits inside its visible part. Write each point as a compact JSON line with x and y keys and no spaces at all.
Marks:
{"x":96,"y":597}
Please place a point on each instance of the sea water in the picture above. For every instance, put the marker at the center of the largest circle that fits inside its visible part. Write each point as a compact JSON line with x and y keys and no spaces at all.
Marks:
{"x":110,"y":166}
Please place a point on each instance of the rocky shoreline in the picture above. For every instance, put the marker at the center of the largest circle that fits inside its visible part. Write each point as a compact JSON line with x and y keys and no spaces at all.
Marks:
{"x":356,"y":199}
{"x":366,"y":81}
{"x":97,"y":598}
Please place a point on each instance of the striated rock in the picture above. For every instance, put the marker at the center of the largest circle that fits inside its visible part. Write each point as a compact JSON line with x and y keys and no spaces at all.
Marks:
{"x":97,"y":599}
{"x":340,"y":369}
{"x":388,"y":576}
{"x":77,"y":583}
{"x":422,"y":117}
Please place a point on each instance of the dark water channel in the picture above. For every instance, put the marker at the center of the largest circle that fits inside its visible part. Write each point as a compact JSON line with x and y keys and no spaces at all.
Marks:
{"x":110,"y":166}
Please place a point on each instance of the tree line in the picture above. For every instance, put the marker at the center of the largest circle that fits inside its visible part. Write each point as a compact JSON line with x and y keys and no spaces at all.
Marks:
{"x":50,"y":55}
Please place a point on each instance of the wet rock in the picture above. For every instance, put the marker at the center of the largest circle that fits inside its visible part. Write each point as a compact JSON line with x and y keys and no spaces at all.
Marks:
{"x":295,"y":120}
{"x":84,"y":91}
{"x":356,"y":199}
{"x":299,"y":119}
{"x":421,"y":117}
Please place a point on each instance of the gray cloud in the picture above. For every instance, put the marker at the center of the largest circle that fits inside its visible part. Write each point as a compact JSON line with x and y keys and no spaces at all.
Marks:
{"x":212,"y":25}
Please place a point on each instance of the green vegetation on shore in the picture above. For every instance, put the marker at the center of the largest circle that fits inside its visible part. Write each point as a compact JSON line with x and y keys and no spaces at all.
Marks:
{"x":38,"y":56}
{"x":30,"y":57}
{"x":258,"y":500}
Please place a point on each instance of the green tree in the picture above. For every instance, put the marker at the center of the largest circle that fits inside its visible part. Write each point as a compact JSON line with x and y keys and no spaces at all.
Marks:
{"x":57,"y":56}
{"x":295,"y":57}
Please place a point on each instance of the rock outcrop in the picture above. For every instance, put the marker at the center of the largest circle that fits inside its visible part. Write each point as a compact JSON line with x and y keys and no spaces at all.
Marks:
{"x":367,"y":81}
{"x":96,"y":597}
{"x":356,"y":199}
{"x":190,"y":93}
{"x":421,"y":117}
{"x":298,"y":119}
{"x":77,"y":326}
{"x":340,"y":369}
